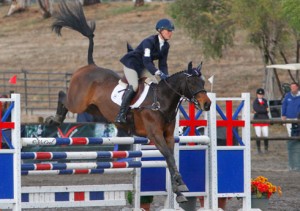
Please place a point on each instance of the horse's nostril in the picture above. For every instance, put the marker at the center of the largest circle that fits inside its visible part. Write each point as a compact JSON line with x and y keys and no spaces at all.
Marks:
{"x":207,"y":106}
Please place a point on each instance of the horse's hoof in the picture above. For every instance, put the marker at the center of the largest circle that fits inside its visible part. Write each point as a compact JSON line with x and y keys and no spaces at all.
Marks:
{"x":181,"y":199}
{"x":183,"y":188}
{"x":51,"y":121}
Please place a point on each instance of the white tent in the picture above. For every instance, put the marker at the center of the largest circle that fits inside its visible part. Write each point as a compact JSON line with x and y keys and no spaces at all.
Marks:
{"x":295,"y":66}
{"x":272,"y":92}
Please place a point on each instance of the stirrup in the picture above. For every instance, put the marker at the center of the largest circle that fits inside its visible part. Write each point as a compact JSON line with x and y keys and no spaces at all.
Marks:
{"x":121,"y":119}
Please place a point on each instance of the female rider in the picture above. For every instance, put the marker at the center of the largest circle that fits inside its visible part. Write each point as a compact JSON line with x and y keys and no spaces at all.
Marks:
{"x":140,"y":62}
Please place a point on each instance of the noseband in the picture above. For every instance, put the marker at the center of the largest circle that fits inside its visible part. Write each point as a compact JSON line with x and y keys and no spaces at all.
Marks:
{"x":193,"y":99}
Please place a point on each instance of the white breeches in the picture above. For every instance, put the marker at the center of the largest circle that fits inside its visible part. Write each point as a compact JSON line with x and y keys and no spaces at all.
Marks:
{"x":262,"y":131}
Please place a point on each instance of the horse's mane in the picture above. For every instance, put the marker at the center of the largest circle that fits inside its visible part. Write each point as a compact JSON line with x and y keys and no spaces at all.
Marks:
{"x":178,"y":73}
{"x":171,"y":77}
{"x":174,"y":75}
{"x":183,"y":72}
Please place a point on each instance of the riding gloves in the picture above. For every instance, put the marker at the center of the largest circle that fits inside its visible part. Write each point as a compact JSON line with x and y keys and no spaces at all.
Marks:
{"x":161,"y":75}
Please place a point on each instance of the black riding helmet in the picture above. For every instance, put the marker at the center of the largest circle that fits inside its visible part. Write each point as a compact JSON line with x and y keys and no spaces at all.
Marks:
{"x":260,"y":91}
{"x":164,"y":24}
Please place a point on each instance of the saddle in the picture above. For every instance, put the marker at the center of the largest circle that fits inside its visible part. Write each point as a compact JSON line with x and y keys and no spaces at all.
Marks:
{"x":140,"y":89}
{"x":143,"y":88}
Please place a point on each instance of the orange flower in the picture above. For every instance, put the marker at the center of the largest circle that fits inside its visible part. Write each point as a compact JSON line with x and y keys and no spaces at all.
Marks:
{"x":260,"y":186}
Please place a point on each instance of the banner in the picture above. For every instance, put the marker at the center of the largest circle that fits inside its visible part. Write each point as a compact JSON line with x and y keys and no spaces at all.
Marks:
{"x":69,"y":130}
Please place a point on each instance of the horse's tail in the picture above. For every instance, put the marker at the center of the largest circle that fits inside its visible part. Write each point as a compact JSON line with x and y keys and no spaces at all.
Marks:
{"x":71,"y":16}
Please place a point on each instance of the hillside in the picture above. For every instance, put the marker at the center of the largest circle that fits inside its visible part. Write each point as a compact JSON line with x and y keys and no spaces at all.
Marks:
{"x":26,"y":41}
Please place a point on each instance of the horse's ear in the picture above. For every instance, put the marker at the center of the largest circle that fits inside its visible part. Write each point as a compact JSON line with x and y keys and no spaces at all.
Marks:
{"x":129,"y":47}
{"x":190,"y":66}
{"x":199,"y":67}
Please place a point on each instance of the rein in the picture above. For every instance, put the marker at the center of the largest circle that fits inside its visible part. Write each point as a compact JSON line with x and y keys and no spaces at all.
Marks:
{"x":192,"y":99}
{"x":156,"y":105}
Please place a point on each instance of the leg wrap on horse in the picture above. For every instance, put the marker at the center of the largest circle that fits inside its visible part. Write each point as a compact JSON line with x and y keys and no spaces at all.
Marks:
{"x":61,"y":112}
{"x":129,"y":94}
{"x":178,"y":184}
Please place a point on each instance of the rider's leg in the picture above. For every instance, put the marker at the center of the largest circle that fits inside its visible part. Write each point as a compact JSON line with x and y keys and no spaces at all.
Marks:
{"x":147,"y":74}
{"x":132,"y":78}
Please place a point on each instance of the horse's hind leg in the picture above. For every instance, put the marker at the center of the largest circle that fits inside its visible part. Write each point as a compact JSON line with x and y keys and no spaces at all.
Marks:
{"x":61,"y":111}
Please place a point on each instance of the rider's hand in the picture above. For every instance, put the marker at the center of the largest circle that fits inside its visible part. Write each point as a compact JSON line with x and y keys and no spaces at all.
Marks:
{"x":161,"y":74}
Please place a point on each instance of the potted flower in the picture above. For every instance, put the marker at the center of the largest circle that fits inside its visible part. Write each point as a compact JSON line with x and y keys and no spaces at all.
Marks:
{"x":261,"y":191}
{"x":145,"y":200}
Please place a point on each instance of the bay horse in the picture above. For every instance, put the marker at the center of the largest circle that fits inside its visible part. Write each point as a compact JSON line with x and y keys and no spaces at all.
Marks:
{"x":91,"y":86}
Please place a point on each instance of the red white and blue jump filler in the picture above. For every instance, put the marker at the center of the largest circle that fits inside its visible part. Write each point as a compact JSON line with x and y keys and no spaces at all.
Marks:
{"x":209,"y":170}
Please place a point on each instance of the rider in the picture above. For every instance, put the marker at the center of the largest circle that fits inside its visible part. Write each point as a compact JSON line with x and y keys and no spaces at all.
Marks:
{"x":140,"y":62}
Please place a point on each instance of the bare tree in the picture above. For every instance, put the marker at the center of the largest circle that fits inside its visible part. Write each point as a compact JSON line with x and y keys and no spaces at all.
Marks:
{"x":45,"y":6}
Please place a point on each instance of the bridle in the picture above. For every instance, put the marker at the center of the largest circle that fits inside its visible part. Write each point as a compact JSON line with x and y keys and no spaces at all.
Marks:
{"x":187,"y":87}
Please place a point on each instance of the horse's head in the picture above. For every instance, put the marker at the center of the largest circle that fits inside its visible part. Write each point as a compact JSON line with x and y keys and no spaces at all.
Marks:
{"x":195,"y":90}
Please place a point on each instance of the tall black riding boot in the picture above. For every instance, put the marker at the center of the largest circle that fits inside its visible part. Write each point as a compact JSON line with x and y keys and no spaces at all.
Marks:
{"x":121,"y":117}
{"x":266,"y":142}
{"x":258,"y":147}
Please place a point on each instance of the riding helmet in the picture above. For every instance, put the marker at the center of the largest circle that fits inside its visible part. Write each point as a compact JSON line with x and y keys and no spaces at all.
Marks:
{"x":260,"y":91}
{"x":165,"y":24}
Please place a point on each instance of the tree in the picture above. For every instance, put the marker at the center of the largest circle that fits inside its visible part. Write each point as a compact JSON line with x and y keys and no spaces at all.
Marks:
{"x":272,"y":26}
{"x":267,"y":31}
{"x":291,"y":11}
{"x":207,"y":21}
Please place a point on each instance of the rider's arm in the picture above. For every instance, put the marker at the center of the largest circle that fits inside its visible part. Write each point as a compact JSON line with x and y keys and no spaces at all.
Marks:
{"x":162,"y":63}
{"x":147,"y":60}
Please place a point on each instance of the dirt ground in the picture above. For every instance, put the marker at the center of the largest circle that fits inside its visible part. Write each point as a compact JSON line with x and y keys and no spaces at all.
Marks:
{"x":26,"y":42}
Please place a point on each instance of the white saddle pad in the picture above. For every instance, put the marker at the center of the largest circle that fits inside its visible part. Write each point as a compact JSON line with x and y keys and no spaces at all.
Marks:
{"x":117,"y":93}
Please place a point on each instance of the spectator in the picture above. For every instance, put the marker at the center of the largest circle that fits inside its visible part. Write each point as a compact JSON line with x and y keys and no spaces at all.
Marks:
{"x":290,"y":105}
{"x":261,"y":110}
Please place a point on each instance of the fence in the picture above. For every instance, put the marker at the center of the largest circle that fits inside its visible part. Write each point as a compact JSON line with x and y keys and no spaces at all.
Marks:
{"x":39,"y":90}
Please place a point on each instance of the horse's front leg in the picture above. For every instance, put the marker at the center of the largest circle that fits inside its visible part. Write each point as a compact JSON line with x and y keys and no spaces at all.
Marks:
{"x":177,"y":179}
{"x":177,"y":184}
{"x":169,"y":137}
{"x":166,"y":147}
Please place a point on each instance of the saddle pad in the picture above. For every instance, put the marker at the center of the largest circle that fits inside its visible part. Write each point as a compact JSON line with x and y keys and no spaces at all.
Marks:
{"x":117,"y":93}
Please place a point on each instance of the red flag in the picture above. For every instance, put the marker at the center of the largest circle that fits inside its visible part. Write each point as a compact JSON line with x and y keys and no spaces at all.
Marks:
{"x":13,"y":80}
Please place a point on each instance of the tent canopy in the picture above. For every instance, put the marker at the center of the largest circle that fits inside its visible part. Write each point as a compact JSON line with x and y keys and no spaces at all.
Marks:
{"x":295,"y":66}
